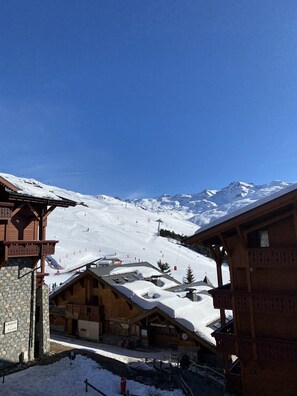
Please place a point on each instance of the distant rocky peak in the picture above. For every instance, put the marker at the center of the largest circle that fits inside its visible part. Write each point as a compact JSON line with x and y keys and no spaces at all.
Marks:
{"x":208,"y":205}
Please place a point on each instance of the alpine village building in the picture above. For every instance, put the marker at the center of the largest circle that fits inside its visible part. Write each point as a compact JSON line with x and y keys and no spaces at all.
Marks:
{"x":24,"y":305}
{"x":260,"y":244}
{"x":135,"y":305}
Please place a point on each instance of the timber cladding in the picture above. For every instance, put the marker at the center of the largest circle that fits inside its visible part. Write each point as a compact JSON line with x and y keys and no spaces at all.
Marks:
{"x":260,"y":245}
{"x":97,"y":304}
{"x":89,"y":299}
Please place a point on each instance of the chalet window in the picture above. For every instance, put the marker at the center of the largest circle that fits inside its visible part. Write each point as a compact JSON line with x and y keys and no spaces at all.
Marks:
{"x":264,"y":238}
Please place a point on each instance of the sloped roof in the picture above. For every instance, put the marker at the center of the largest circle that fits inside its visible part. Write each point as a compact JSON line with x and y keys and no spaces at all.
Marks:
{"x":259,"y":209}
{"x":195,"y":316}
{"x":134,"y":282}
{"x":30,"y":189}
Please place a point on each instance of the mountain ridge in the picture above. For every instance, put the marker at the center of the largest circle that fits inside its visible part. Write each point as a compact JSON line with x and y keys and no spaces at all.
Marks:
{"x":104,"y":226}
{"x":210,"y":204}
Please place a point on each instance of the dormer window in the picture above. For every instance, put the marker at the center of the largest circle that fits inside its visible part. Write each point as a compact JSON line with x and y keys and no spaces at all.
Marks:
{"x":264,"y":238}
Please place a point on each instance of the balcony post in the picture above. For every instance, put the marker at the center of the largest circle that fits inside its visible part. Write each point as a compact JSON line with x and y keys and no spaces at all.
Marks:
{"x":217,"y":255}
{"x":42,"y":236}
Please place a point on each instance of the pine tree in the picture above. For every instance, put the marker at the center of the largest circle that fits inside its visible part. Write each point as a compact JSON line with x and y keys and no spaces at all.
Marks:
{"x":189,"y":278}
{"x":164,"y":267}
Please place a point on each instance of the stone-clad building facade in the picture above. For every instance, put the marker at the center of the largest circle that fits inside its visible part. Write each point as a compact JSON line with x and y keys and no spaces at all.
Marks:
{"x":17,"y":310}
{"x":24,"y":309}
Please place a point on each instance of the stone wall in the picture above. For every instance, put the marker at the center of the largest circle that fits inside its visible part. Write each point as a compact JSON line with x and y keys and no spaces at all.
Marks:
{"x":42,"y":336}
{"x":17,"y":311}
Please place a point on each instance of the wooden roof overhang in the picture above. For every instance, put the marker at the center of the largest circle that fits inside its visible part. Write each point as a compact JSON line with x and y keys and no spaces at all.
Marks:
{"x":247,"y":220}
{"x":175,"y":323}
{"x":67,"y":284}
{"x":7,"y":185}
{"x":17,"y":197}
{"x":14,"y":194}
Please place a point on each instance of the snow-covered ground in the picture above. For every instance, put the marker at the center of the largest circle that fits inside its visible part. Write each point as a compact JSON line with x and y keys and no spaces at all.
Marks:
{"x":111,"y":351}
{"x":63,"y":378}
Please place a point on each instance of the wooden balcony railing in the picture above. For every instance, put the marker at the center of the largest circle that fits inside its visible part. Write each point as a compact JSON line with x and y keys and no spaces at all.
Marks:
{"x":26,"y":248}
{"x":225,"y":339}
{"x":265,"y":348}
{"x":83,"y":312}
{"x":284,"y":303}
{"x":283,"y":257}
{"x":276,"y":350}
{"x":5,"y":210}
{"x":222,"y":297}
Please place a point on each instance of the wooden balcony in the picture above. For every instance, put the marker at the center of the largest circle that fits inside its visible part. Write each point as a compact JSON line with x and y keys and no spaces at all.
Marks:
{"x":5,"y":210}
{"x":222,"y":297}
{"x":225,"y":339}
{"x":82,"y":312}
{"x":229,"y":344}
{"x":10,"y":249}
{"x":246,"y":348}
{"x":278,"y":350}
{"x":284,"y":303}
{"x":282,"y":257}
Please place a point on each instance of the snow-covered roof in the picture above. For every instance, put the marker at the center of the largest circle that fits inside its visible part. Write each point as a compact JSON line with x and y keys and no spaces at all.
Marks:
{"x":247,"y":208}
{"x":142,"y":270}
{"x":135,"y":281}
{"x":29,"y":187}
{"x":195,"y":316}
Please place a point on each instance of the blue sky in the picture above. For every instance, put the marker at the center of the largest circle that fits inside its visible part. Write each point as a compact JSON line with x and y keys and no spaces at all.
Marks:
{"x":138,"y":97}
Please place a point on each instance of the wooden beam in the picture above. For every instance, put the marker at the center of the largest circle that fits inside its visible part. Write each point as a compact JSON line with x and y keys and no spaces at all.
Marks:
{"x":295,"y":219}
{"x":16,"y":210}
{"x":272,"y":220}
{"x":242,"y":237}
{"x":215,"y":253}
{"x":225,"y":245}
{"x":115,"y":294}
{"x":49,"y":210}
{"x":2,"y":262}
{"x":34,"y":211}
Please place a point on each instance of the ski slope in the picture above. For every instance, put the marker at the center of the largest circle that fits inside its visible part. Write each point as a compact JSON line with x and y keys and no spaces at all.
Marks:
{"x":104,"y":227}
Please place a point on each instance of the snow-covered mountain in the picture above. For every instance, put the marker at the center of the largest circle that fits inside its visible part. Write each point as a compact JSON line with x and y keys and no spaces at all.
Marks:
{"x":106,"y":226}
{"x":208,"y":205}
{"x":103,"y":226}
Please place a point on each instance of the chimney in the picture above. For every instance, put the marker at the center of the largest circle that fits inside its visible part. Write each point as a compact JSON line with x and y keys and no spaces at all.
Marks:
{"x":192,"y":296}
{"x":156,"y":281}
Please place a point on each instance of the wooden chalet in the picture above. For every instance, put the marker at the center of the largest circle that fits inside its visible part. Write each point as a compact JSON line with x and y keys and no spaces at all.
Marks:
{"x":98,"y":305}
{"x":24,"y":208}
{"x":260,"y":244}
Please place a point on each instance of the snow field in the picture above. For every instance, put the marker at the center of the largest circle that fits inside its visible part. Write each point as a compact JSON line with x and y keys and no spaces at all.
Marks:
{"x":63,"y":378}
